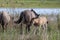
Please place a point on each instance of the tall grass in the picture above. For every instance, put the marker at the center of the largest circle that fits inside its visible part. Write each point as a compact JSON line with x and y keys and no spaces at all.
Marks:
{"x":13,"y":31}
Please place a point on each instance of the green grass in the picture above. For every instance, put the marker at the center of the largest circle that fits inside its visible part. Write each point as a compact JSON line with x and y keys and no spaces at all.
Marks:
{"x":30,"y":3}
{"x":13,"y":33}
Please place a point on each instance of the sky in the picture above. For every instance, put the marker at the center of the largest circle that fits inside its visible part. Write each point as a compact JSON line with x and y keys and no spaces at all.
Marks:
{"x":37,"y":10}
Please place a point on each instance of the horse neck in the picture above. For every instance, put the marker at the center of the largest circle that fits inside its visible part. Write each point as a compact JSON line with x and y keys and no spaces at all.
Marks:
{"x":36,"y":14}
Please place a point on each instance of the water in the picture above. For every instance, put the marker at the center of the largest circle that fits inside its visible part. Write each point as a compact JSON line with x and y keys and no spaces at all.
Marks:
{"x":38,"y":10}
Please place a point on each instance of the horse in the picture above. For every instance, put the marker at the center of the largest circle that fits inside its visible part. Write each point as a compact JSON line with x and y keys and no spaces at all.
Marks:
{"x":4,"y":19}
{"x":26,"y":17}
{"x":40,"y":21}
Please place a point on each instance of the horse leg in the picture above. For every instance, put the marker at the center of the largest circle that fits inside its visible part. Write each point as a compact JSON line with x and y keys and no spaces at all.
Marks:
{"x":28,"y":28}
{"x":21,"y":29}
{"x":2,"y":23}
{"x":43,"y":32}
{"x":36,"y":30}
{"x":46,"y":27}
{"x":46,"y":31}
{"x":43,"y":27}
{"x":3,"y":27}
{"x":6,"y":26}
{"x":39,"y":29}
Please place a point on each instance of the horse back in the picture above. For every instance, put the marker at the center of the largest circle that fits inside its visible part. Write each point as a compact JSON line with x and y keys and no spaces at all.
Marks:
{"x":5,"y":16}
{"x":28,"y":15}
{"x":43,"y":20}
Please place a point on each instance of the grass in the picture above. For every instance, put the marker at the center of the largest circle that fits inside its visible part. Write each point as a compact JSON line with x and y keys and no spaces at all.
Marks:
{"x":30,"y":4}
{"x":13,"y":32}
{"x":14,"y":35}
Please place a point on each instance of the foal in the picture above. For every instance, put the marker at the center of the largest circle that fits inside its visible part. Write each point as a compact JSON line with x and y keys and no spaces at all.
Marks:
{"x":40,"y":21}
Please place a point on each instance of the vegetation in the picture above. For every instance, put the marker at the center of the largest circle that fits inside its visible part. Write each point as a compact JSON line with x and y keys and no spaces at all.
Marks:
{"x":30,"y":3}
{"x":13,"y":30}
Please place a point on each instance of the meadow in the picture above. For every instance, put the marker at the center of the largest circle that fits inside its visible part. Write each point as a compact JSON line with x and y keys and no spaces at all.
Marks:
{"x":30,"y":3}
{"x":13,"y":30}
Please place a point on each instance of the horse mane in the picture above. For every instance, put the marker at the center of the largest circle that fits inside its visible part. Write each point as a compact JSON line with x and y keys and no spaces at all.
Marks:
{"x":35,"y":12}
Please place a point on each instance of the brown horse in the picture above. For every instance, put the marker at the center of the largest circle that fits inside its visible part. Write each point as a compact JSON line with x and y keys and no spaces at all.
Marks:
{"x":26,"y":17}
{"x":4,"y":19}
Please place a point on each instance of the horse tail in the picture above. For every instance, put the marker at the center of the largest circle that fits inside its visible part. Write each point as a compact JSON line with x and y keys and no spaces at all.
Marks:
{"x":20,"y":18}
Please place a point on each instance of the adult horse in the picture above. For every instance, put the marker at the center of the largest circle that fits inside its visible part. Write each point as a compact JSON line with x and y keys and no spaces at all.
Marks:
{"x":4,"y":19}
{"x":26,"y":16}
